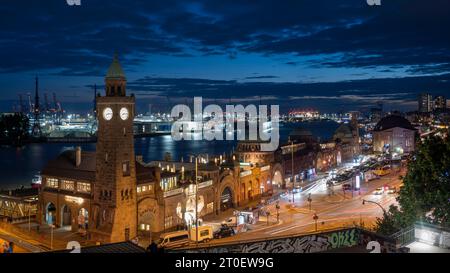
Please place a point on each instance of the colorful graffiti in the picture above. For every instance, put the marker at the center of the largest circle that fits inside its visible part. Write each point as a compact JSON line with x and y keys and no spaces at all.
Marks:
{"x":346,"y":238}
{"x":299,"y":244}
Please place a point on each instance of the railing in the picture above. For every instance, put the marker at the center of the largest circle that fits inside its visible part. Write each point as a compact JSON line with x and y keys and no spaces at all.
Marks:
{"x":404,"y":236}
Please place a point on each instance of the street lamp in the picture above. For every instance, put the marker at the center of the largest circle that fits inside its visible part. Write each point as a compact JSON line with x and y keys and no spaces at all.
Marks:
{"x":309,"y":200}
{"x":378,"y":204}
{"x":196,"y":200}
{"x":292,"y":170}
{"x":278,"y":211}
{"x":51,"y":236}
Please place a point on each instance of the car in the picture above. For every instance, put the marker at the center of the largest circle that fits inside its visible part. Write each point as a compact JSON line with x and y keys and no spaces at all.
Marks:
{"x":391,"y":190}
{"x":223,"y":232}
{"x":346,"y":187}
{"x":231,"y":222}
{"x":378,"y":191}
{"x":174,"y":239}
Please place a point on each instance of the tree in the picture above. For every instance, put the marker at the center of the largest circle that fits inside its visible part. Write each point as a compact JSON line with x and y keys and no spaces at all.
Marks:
{"x":425,"y":194}
{"x":14,"y":128}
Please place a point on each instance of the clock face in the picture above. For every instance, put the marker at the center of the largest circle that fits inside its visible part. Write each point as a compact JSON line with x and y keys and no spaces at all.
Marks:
{"x":107,"y":113}
{"x":124,"y":113}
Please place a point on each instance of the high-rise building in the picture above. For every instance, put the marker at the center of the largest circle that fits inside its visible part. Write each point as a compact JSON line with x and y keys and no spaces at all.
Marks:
{"x":439,"y":102}
{"x":425,"y":102}
{"x":448,"y":104}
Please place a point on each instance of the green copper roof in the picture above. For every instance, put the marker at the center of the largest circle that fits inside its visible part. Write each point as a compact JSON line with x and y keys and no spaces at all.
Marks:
{"x":115,"y":69}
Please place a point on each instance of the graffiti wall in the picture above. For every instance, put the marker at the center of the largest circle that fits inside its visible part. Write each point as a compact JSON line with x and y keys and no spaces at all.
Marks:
{"x":300,"y":244}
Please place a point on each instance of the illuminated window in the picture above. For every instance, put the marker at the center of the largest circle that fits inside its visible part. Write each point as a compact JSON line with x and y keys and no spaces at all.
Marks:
{"x":84,"y":187}
{"x":144,"y":188}
{"x":168,"y":222}
{"x":126,"y":168}
{"x":67,"y":185}
{"x":168,"y":183}
{"x":138,"y":189}
{"x":52,"y":182}
{"x":209,"y":207}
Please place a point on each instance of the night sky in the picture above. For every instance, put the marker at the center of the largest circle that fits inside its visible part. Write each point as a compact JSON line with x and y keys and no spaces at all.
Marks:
{"x":331,"y":55}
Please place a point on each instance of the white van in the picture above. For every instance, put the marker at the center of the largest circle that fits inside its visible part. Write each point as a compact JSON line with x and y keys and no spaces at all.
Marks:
{"x":205,"y":233}
{"x":174,"y":239}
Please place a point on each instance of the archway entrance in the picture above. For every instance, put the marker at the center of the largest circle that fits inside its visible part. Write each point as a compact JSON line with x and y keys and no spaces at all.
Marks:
{"x":50,"y":214}
{"x":83,"y":219}
{"x":66,"y":216}
{"x":226,"y":199}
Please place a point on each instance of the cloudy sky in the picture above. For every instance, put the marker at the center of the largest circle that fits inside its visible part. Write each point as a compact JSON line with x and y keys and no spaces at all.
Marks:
{"x":332,"y":55}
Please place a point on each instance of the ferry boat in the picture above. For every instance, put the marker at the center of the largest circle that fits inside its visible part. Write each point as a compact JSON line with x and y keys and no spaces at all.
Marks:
{"x":36,"y":181}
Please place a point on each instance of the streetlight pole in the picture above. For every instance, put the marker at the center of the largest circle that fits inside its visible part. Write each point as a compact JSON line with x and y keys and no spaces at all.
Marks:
{"x":309,"y":200}
{"x":278,"y":211}
{"x":368,"y":201}
{"x":292,"y":170}
{"x":29,"y":219}
{"x":196,"y":201}
{"x":51,"y":237}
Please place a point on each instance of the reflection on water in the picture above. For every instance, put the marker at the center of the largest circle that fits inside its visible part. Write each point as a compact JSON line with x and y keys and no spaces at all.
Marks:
{"x":19,"y":165}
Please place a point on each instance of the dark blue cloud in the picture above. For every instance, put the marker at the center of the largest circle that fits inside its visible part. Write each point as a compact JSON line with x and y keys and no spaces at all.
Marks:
{"x":409,"y":36}
{"x":394,"y":93}
{"x":80,"y":40}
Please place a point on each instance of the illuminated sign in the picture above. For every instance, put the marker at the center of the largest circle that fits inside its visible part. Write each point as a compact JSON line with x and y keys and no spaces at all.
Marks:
{"x":205,"y":184}
{"x":265,"y":168}
{"x":74,"y":199}
{"x":173,"y":192}
{"x":245,"y":173}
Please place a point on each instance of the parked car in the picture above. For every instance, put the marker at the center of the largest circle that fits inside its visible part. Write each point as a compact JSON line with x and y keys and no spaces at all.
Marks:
{"x":346,"y":187}
{"x":231,"y":222}
{"x":224,"y":231}
{"x":174,"y":239}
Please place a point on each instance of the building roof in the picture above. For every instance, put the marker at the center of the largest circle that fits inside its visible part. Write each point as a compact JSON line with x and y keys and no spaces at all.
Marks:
{"x":115,"y":69}
{"x":145,"y":174}
{"x":64,"y":166}
{"x":393,"y":121}
{"x":122,"y":247}
{"x":345,"y":129}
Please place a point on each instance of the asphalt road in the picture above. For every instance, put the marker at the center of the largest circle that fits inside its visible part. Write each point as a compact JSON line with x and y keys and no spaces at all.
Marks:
{"x":333,"y":209}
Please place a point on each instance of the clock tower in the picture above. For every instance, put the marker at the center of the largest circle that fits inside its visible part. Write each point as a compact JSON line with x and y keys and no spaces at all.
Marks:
{"x":114,"y":208}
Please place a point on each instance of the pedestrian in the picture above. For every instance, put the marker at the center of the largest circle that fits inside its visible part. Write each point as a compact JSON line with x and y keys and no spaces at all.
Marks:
{"x":11,"y":247}
{"x":5,"y":247}
{"x":153,"y":247}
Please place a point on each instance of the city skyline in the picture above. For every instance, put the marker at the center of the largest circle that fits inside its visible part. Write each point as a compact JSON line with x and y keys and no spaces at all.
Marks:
{"x":330,"y":56}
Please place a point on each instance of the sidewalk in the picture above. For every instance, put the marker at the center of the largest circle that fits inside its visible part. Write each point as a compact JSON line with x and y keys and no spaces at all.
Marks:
{"x":38,"y":241}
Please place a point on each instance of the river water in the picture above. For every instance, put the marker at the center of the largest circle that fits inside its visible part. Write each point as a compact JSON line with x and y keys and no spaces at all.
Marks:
{"x":19,"y":165}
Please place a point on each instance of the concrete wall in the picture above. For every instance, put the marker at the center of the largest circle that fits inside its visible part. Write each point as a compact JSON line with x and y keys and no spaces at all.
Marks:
{"x":309,"y":243}
{"x":432,"y":235}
